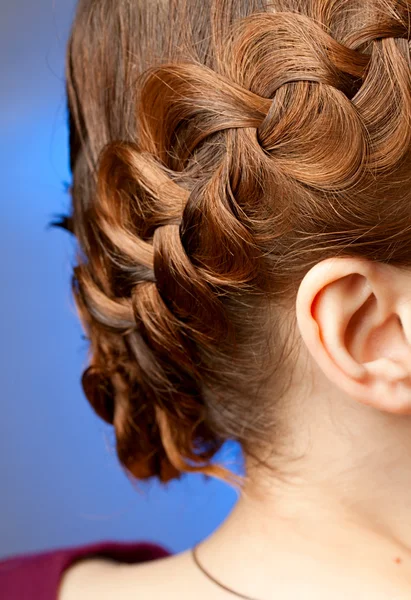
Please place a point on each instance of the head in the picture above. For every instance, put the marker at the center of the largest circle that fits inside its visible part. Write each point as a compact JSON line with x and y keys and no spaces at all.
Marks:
{"x":241,"y":199}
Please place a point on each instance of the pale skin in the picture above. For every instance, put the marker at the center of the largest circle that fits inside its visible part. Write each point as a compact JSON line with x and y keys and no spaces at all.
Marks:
{"x":341,"y":527}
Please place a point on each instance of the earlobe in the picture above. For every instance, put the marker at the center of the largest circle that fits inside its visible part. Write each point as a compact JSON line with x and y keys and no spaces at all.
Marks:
{"x":351,"y":314}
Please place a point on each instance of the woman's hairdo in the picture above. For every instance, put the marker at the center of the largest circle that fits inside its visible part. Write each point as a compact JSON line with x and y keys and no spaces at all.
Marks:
{"x":219,"y":149}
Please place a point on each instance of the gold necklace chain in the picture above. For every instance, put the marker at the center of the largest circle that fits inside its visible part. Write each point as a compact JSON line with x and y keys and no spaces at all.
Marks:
{"x":224,"y":587}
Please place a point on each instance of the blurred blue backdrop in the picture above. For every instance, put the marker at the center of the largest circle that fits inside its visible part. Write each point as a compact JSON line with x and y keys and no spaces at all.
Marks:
{"x":61,"y":483}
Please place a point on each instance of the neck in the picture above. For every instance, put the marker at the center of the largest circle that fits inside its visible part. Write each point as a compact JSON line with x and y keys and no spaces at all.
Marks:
{"x":351,"y":507}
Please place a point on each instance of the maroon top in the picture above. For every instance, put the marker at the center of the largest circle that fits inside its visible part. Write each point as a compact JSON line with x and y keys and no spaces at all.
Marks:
{"x":37,"y":576}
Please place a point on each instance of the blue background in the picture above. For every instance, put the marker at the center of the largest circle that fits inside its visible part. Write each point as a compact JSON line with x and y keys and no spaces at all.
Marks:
{"x":61,"y":483}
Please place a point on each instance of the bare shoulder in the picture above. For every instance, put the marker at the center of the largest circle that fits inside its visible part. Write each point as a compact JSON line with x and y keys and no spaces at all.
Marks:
{"x":177,"y":578}
{"x":84,"y":576}
{"x":105,"y":579}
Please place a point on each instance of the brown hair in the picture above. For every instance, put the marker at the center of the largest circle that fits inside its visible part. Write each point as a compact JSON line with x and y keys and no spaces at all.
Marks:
{"x":219,"y":149}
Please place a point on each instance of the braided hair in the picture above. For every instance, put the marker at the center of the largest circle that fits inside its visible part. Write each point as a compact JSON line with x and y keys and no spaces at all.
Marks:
{"x":219,"y":149}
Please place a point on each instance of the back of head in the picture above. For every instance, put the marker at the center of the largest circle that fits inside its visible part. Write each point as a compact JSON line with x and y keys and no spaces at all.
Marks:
{"x":219,"y":149}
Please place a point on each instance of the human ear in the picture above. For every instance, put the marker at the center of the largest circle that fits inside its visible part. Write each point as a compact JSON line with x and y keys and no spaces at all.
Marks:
{"x":354,"y":316}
